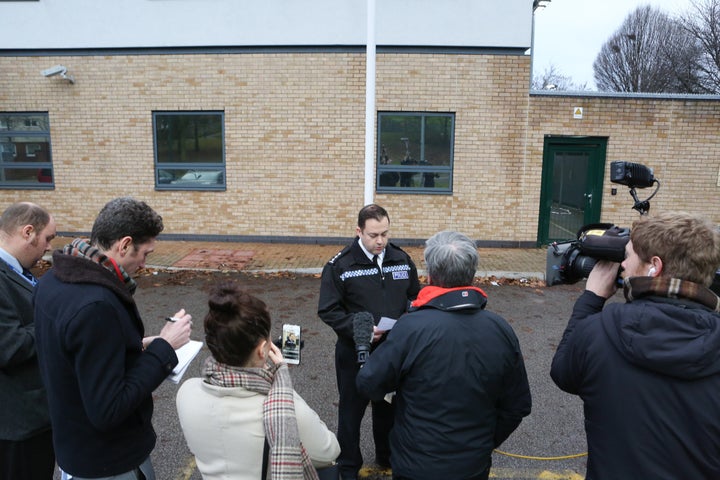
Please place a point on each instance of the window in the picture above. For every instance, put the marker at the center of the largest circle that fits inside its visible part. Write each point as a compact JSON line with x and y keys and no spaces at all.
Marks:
{"x":415,"y":152}
{"x":25,"y":157}
{"x":189,"y":150}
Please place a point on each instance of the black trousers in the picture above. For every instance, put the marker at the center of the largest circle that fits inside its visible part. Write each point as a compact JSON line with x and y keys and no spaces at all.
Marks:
{"x":31,"y":459}
{"x":351,"y":410}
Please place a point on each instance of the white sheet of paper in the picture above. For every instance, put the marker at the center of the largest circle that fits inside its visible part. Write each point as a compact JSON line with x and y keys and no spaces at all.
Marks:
{"x":386,"y":323}
{"x":185,"y":355}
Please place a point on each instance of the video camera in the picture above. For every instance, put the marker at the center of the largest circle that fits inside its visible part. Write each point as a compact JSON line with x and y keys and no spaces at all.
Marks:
{"x":571,"y":261}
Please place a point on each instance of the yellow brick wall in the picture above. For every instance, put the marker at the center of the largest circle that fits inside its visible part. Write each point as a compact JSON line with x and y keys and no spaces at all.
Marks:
{"x":488,"y":95}
{"x":294,"y":140}
{"x":678,"y":138}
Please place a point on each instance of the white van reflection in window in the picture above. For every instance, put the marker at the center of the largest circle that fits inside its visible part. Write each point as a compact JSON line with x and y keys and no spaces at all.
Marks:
{"x":200,"y":177}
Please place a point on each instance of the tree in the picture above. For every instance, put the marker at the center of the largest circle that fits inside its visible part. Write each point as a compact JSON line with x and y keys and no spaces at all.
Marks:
{"x":650,"y":52}
{"x":702,"y":23}
{"x":553,"y":79}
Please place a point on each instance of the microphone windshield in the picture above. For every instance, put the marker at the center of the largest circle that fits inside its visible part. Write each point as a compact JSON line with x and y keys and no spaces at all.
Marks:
{"x":363,"y":323}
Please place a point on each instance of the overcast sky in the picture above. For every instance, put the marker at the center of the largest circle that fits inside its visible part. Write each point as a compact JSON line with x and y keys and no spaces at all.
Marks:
{"x":570,"y":33}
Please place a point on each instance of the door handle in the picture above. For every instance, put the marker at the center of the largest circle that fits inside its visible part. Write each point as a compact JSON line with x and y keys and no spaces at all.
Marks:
{"x":589,"y":198}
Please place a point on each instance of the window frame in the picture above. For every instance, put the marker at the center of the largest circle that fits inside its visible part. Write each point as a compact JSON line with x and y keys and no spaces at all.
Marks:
{"x":203,"y":168}
{"x":43,"y":136}
{"x":381,"y":168}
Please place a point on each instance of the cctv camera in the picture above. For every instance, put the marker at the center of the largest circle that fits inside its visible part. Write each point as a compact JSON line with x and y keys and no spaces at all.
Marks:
{"x":56,"y":70}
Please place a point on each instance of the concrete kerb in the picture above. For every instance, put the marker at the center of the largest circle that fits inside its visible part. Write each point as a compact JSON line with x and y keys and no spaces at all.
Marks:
{"x":539,"y":276}
{"x":169,"y":252}
{"x":481,"y":274}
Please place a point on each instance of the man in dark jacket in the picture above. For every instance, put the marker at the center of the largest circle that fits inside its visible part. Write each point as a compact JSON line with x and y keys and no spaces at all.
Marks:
{"x":371,"y":275}
{"x":98,"y":368}
{"x":648,"y":371}
{"x":457,"y":369}
{"x":26,"y":449}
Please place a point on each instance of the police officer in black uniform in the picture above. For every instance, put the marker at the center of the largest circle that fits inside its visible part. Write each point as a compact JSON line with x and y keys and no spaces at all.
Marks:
{"x":375,"y":276}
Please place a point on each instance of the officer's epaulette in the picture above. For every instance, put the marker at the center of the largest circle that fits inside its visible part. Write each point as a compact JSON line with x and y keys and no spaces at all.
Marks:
{"x":338,"y":255}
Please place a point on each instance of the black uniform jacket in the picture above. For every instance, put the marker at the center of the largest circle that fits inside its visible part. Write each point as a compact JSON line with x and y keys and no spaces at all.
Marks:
{"x":351,"y":283}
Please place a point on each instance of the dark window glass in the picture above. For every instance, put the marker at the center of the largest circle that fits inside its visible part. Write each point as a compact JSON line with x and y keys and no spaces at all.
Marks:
{"x":415,"y":152}
{"x":25,"y":156}
{"x":189,"y":150}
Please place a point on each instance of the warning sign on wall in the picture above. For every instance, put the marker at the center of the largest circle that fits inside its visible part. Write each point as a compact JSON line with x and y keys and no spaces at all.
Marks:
{"x":577,"y":112}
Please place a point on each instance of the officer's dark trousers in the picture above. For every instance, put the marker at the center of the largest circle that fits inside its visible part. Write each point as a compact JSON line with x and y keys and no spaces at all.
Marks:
{"x":351,"y":411}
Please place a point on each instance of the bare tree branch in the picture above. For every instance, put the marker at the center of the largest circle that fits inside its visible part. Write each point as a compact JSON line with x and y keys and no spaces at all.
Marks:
{"x":702,"y":24}
{"x":650,"y":52}
{"x":553,"y":79}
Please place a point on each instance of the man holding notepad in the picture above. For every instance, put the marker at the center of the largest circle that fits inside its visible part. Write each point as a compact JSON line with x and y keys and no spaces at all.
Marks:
{"x":97,"y":365}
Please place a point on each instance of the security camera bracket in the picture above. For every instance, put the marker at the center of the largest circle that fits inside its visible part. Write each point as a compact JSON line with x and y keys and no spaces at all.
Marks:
{"x":58,"y":70}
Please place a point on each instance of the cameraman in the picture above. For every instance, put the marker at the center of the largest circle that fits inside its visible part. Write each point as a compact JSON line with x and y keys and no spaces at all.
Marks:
{"x":648,"y":370}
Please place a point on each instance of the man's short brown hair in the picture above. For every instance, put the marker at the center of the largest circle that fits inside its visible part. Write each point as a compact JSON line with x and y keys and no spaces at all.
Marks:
{"x":21,"y":214}
{"x":688,"y":245}
{"x":371,"y":211}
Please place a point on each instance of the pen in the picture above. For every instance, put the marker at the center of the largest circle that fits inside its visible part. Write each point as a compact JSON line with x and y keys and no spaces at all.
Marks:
{"x":171,"y":319}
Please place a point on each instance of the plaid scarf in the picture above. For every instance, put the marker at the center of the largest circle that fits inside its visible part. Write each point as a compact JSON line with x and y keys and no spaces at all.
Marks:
{"x":637,"y":287}
{"x":80,"y":248}
{"x":288,"y":458}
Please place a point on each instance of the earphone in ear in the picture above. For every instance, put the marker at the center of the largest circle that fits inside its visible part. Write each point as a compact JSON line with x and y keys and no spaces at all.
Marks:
{"x":651,"y":272}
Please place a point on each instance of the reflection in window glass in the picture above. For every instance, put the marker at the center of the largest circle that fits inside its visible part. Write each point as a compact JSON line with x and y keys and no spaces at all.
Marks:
{"x":25,"y":157}
{"x":415,"y":152}
{"x":189,"y":150}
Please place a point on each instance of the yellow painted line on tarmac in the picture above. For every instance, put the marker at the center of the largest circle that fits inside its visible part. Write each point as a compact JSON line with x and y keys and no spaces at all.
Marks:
{"x":189,"y":469}
{"x":513,"y":473}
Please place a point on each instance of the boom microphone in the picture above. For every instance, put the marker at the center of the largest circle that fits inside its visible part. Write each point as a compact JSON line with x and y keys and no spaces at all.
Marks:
{"x":363,"y":323}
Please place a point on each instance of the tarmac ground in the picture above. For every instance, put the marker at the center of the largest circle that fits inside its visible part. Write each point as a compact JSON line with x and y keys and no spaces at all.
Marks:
{"x":549,"y":444}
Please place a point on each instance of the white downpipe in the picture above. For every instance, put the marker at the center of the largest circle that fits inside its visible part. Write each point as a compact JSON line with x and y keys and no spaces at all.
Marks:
{"x":370,"y":104}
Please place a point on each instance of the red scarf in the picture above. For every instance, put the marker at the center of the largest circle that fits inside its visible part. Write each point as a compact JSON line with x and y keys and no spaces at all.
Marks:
{"x":431,"y":292}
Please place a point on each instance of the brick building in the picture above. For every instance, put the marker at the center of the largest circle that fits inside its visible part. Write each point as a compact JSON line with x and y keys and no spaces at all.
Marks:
{"x":250,"y":124}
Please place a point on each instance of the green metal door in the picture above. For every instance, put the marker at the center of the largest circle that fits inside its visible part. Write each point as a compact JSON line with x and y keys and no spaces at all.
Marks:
{"x":571,"y":190}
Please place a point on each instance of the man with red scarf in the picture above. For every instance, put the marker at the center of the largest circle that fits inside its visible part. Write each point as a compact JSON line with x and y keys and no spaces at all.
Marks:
{"x":457,"y":370}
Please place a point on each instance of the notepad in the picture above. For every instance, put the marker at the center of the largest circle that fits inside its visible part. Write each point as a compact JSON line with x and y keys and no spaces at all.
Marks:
{"x":386,"y":323}
{"x":185,"y":355}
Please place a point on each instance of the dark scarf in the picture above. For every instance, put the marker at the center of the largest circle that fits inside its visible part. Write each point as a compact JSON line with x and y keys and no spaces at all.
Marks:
{"x":288,"y":458}
{"x":80,"y":248}
{"x":638,"y":287}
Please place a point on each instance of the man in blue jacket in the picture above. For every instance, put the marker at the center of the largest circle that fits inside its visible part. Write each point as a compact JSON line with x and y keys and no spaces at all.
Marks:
{"x":457,"y":369}
{"x":648,"y":371}
{"x":97,"y":365}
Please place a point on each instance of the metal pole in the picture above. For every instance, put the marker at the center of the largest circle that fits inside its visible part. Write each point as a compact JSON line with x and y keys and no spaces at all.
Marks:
{"x":370,"y":104}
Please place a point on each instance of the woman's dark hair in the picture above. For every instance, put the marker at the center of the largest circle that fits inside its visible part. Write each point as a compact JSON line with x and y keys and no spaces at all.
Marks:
{"x":235,"y":324}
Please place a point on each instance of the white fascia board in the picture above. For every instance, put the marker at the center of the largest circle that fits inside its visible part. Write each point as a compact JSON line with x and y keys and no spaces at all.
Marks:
{"x":78,"y":24}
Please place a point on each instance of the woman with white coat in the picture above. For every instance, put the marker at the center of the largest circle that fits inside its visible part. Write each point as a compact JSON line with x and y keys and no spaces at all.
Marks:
{"x":246,"y":397}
